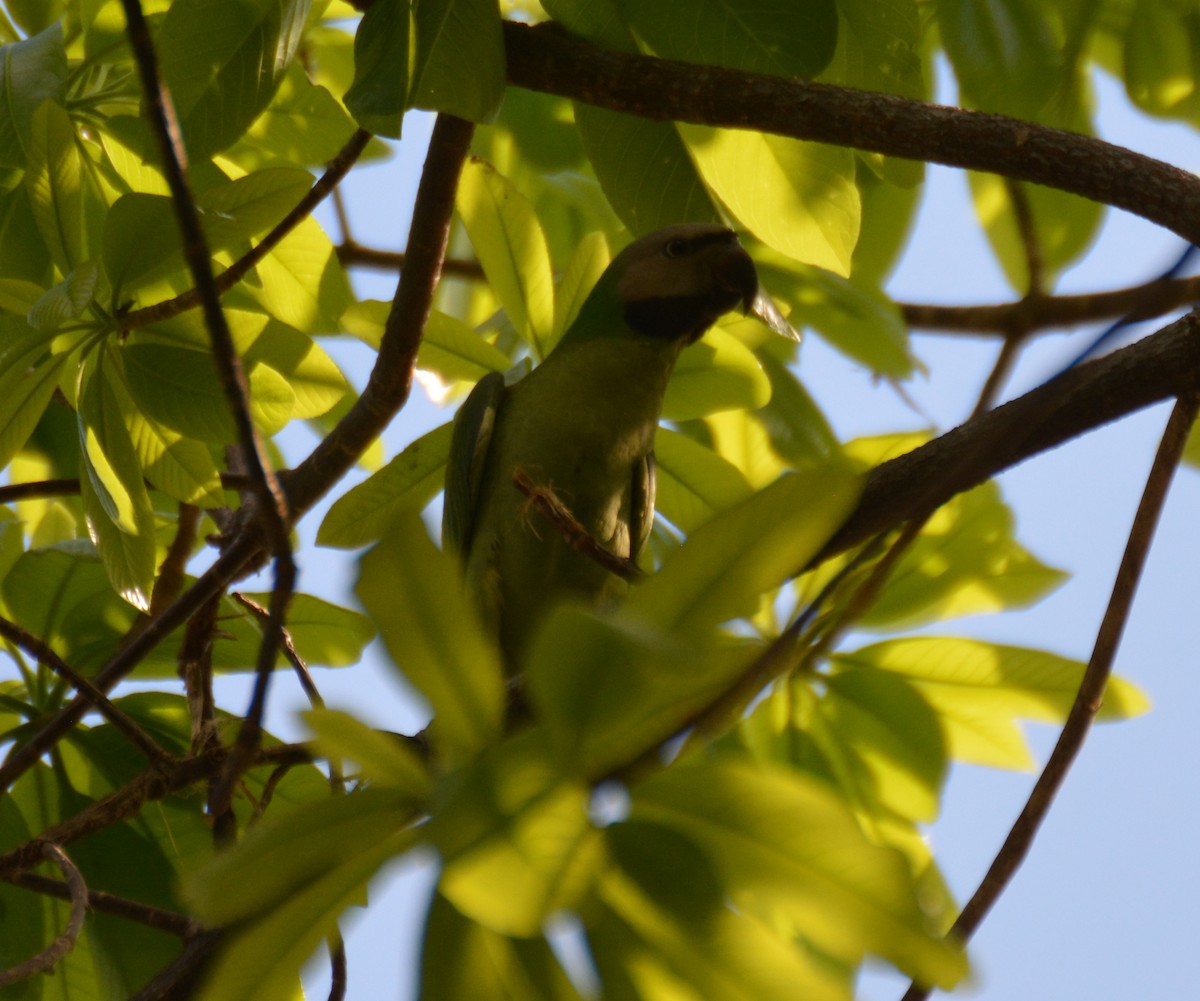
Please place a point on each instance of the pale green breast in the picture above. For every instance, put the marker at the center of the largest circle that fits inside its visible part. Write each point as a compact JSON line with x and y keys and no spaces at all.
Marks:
{"x":580,"y":424}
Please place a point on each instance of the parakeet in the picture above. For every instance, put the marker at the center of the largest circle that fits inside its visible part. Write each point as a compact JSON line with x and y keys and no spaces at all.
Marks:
{"x":581,"y":425}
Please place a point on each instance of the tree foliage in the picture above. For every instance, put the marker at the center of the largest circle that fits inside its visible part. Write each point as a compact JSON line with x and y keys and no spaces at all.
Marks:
{"x":721,"y":781}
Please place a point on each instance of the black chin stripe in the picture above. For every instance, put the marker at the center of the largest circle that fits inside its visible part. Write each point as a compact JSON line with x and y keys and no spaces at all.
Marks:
{"x":683,"y":317}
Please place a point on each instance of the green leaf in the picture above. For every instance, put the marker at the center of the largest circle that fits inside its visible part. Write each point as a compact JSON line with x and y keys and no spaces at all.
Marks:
{"x":140,"y":244}
{"x":625,"y":688}
{"x":694,"y":482}
{"x":337,"y":855}
{"x":644,"y":169}
{"x":141,"y":241}
{"x":419,"y":601}
{"x":303,"y":284}
{"x":303,"y":124}
{"x":588,"y":261}
{"x":509,"y":242}
{"x":716,"y":373}
{"x":515,"y":838}
{"x":451,"y":35}
{"x":68,"y":300}
{"x":31,"y":71}
{"x":315,"y":382}
{"x":180,"y":466}
{"x":890,"y":738}
{"x":24,"y":256}
{"x":29,"y":374}
{"x":879,"y":48}
{"x":383,"y":759}
{"x":783,"y":844}
{"x":461,"y":958}
{"x":741,"y":438}
{"x":1003,"y":53}
{"x":888,"y":213}
{"x":803,"y":202}
{"x":747,"y":550}
{"x":861,"y":322}
{"x":407,"y":483}
{"x":660,"y":921}
{"x":797,"y":429}
{"x":980,"y":689}
{"x":119,"y":514}
{"x":1064,"y":224}
{"x":179,"y":387}
{"x":965,"y":562}
{"x":450,"y":349}
{"x":63,"y":595}
{"x":378,"y":97}
{"x":223,"y":62}
{"x":776,"y":36}
{"x":54,"y":182}
{"x":251,"y":205}
{"x":1161,"y":62}
{"x":281,"y":855}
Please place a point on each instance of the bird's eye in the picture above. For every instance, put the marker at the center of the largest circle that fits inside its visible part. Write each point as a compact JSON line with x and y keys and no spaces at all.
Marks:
{"x":676,"y":247}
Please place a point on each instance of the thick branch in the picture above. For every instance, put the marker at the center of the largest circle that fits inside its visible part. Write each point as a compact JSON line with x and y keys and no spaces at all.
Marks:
{"x":546,"y":59}
{"x":1159,"y":367}
{"x":391,"y":379}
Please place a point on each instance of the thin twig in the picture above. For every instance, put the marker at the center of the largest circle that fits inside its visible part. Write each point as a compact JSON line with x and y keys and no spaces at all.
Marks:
{"x":337,"y":169}
{"x":299,"y":666}
{"x":338,"y":973}
{"x":147,"y":786}
{"x":1091,"y":688}
{"x":43,"y":652}
{"x":158,"y":918}
{"x":1138,"y":302}
{"x":172,"y":570}
{"x":77,"y":892}
{"x":352,"y":254}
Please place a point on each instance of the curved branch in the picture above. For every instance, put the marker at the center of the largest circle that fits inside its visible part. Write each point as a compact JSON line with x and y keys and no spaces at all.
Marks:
{"x":45,"y":960}
{"x":545,"y":58}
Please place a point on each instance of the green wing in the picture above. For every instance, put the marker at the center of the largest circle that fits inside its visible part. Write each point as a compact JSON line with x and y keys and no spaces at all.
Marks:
{"x":469,"y":443}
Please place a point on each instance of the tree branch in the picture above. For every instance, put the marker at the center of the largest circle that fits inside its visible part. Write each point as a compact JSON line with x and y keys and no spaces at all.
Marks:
{"x":1091,"y":688}
{"x":77,"y":892}
{"x":159,"y":918}
{"x":1159,"y":367}
{"x":391,"y":379}
{"x":545,"y":58}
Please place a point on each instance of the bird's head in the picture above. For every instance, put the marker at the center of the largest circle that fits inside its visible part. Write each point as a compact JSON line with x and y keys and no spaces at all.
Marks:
{"x":675,"y":283}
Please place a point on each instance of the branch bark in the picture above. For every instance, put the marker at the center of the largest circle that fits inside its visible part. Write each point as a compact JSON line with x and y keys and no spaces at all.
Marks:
{"x":545,"y":58}
{"x":1159,"y":367}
